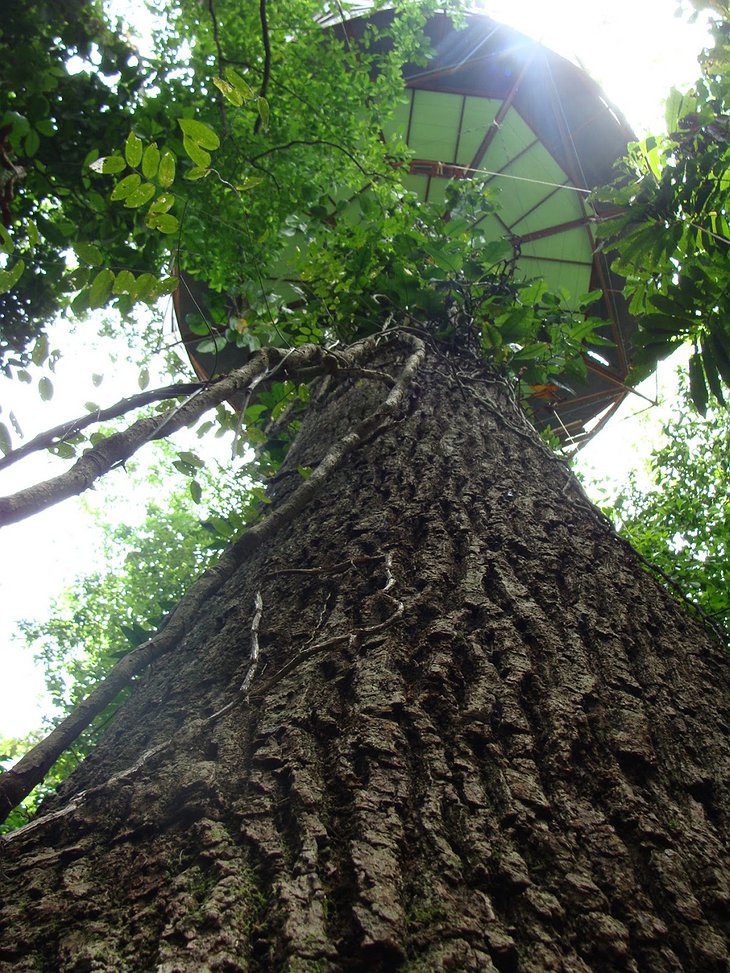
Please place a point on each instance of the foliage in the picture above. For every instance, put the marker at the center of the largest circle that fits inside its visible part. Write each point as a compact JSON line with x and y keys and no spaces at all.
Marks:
{"x":672,"y":234}
{"x":682,"y":522}
{"x":252,"y":157}
{"x":53,"y":119}
{"x":105,"y":614}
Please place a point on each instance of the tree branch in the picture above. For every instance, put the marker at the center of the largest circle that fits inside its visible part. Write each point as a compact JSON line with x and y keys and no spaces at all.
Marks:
{"x":307,"y":361}
{"x":56,"y":435}
{"x":219,"y":52}
{"x":267,"y":59}
{"x":331,"y":145}
{"x":118,"y":447}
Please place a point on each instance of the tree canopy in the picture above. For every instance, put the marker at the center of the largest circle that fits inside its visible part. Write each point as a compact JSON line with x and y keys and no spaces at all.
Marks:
{"x":52,"y":119}
{"x":273,"y":121}
{"x":671,"y":229}
{"x":681,"y":520}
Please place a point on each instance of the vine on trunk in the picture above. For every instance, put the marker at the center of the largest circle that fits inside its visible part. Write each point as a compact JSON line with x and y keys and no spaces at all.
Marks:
{"x":16,"y":783}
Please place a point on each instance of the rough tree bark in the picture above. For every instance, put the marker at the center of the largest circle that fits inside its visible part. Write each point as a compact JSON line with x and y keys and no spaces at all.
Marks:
{"x":479,"y":737}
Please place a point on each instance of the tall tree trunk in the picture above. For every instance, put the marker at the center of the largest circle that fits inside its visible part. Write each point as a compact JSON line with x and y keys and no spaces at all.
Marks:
{"x":479,"y":737}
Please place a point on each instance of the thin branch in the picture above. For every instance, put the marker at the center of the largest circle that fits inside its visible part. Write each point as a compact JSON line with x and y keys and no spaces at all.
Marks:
{"x":267,"y":59}
{"x":293,"y":142}
{"x":52,"y":437}
{"x":309,"y":360}
{"x":19,"y":781}
{"x":306,"y":361}
{"x":343,"y":21}
{"x":266,"y":172}
{"x":338,"y":568}
{"x":120,"y":446}
{"x":219,"y":52}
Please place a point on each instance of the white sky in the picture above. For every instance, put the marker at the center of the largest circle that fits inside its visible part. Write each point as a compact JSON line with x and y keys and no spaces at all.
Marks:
{"x":636,"y":49}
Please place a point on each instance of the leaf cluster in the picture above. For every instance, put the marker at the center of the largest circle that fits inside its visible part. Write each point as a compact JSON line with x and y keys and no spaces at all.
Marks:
{"x":53,"y":118}
{"x":105,"y":614}
{"x":681,"y":522}
{"x":672,"y":232}
{"x":287,"y":206}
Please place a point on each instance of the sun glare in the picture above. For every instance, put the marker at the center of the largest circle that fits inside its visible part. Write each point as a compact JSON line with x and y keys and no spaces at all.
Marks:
{"x":635,"y":51}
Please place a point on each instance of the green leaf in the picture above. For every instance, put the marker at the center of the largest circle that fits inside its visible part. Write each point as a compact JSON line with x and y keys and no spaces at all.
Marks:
{"x":150,"y":161}
{"x":212,"y":346}
{"x":664,"y":324}
{"x":191,"y":459}
{"x":109,"y":165}
{"x":248,"y":183}
{"x":40,"y":350}
{"x":262,"y":106}
{"x":143,"y":379}
{"x":197,"y":324}
{"x":666,"y":304}
{"x":721,"y":353}
{"x":712,"y":372}
{"x":101,"y":287}
{"x":143,"y":194}
{"x":164,"y":222}
{"x":64,"y":450}
{"x":229,"y":92}
{"x":166,"y":171}
{"x":199,"y":156}
{"x":146,"y":289}
{"x":652,"y":155}
{"x":197,"y":172}
{"x":449,"y":262}
{"x":32,"y":143}
{"x":33,"y":235}
{"x":592,"y":297}
{"x":90,"y":254}
{"x":530,"y":352}
{"x":133,"y":150}
{"x":80,"y":303}
{"x":496,"y":250}
{"x":162,"y":203}
{"x":125,"y":283}
{"x":196,"y":491}
{"x":125,"y":187}
{"x":241,"y":86}
{"x":6,"y":443}
{"x":199,"y":133}
{"x":697,"y":385}
{"x":9,"y":278}
{"x":168,"y":285}
{"x":6,"y":241}
{"x":45,"y":389}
